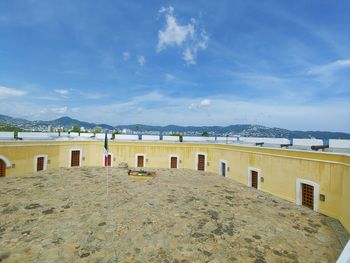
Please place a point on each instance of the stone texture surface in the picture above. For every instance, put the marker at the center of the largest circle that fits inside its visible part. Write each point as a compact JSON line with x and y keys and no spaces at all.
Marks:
{"x":180,"y":216}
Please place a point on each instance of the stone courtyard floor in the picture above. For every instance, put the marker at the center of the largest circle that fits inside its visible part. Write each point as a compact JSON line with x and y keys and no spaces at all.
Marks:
{"x":64,"y":215}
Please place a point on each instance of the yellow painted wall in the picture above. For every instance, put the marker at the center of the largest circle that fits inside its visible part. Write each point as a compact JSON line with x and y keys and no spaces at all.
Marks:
{"x":280,"y":168}
{"x":344,"y":215}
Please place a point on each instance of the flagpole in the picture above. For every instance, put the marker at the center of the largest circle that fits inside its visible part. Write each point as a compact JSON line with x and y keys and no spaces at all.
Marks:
{"x":107,"y":178}
{"x":106,"y":161}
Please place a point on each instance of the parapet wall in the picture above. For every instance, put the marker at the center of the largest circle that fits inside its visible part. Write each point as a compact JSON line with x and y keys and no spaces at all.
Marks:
{"x":279,"y":170}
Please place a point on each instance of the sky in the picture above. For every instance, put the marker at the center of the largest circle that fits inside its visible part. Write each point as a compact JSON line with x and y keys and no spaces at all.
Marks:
{"x":275,"y":63}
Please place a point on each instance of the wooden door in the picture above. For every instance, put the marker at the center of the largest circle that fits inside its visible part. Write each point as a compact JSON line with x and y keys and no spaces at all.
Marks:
{"x":40,"y":164}
{"x":75,"y":159}
{"x":201,"y":162}
{"x":140,"y":161}
{"x":2,"y":168}
{"x":307,"y":195}
{"x":173,"y":162}
{"x":109,"y":160}
{"x":255,"y":179}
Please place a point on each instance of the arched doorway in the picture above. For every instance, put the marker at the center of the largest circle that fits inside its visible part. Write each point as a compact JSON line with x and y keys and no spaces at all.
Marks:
{"x":2,"y":168}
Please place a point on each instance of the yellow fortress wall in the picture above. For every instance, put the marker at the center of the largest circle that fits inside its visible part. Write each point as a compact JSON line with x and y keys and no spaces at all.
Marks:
{"x":279,"y":169}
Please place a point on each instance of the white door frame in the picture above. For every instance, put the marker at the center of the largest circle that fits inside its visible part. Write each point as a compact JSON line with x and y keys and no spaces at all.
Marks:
{"x":205,"y":161}
{"x":144,"y":159}
{"x":299,"y":194}
{"x":220,"y":167}
{"x":36,"y":162}
{"x":250,"y":169}
{"x":177,"y":160}
{"x":6,"y":161}
{"x":70,"y":156}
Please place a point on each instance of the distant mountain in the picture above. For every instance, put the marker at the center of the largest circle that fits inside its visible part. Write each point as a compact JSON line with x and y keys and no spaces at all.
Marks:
{"x":65,"y":122}
{"x":247,"y":130}
{"x":9,"y":120}
{"x":68,"y":122}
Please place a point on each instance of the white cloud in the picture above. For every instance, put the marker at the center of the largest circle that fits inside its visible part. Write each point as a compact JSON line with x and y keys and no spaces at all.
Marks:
{"x":200,"y":43}
{"x":61,"y":110}
{"x":53,"y":97}
{"x":93,"y":96}
{"x":202,"y":104}
{"x":149,"y":97}
{"x":188,"y":56}
{"x":126,"y":56}
{"x":205,"y":103}
{"x":329,"y":68}
{"x":174,"y":34}
{"x":224,"y":110}
{"x":62,"y":92}
{"x":203,"y":40}
{"x":141,"y":60}
{"x":163,"y":9}
{"x":10,"y":92}
{"x":187,"y":37}
{"x":89,"y":95}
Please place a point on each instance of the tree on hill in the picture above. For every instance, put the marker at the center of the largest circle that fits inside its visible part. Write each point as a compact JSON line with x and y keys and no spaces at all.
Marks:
{"x":177,"y":134}
{"x":75,"y":128}
{"x":97,"y":130}
{"x":114,"y":133}
{"x":10,"y":128}
{"x":205,"y":134}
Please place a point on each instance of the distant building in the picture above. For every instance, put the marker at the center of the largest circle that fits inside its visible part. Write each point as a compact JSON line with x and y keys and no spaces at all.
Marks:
{"x":126,"y":131}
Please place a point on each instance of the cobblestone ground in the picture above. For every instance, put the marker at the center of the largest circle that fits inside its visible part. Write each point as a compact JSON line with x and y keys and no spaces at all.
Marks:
{"x":180,"y":216}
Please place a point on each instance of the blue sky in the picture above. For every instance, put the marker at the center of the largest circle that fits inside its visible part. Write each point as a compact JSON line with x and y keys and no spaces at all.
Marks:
{"x":275,"y":63}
